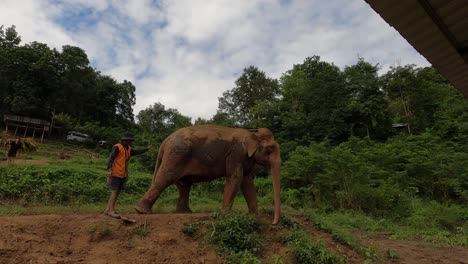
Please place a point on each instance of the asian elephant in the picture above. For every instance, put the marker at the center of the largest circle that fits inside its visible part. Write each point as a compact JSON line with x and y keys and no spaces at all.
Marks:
{"x":203,"y":153}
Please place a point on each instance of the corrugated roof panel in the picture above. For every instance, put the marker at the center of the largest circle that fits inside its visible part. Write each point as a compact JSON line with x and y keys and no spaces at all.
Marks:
{"x":438,"y":29}
{"x":446,"y":8}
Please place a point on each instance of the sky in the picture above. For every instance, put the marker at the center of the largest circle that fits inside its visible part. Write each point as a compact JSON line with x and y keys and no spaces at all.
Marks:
{"x":186,"y":53}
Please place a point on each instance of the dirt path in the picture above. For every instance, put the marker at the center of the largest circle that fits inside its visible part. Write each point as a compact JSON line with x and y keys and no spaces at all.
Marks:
{"x":417,"y":252}
{"x":404,"y":251}
{"x":95,"y":238}
{"x":100,"y":239}
{"x":350,"y":255}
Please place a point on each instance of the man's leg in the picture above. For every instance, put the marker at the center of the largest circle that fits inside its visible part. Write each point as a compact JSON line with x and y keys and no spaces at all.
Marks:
{"x":111,"y":203}
{"x":116,"y":185}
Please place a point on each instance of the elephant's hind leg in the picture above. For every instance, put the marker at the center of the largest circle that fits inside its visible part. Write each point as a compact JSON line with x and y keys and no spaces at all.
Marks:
{"x":184,"y":192}
{"x":163,"y":179}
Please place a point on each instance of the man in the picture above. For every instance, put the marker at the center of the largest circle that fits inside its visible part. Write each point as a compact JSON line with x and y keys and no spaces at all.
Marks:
{"x":117,"y":169}
{"x":14,"y":147}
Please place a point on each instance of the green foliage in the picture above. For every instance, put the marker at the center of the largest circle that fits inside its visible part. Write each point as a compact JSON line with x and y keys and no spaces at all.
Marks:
{"x":38,"y":81}
{"x":342,"y":223}
{"x":439,"y":216}
{"x":191,"y":228}
{"x":252,"y":87}
{"x":243,"y":257}
{"x":140,"y":230}
{"x":61,"y":185}
{"x":377,"y":178}
{"x":158,"y":121}
{"x":237,"y":233}
{"x":341,"y":234}
{"x":308,"y":250}
{"x":392,"y":254}
{"x":237,"y":236}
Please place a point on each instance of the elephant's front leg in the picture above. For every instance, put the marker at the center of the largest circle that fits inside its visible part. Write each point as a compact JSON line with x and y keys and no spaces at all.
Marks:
{"x":250,"y":195}
{"x":184,"y":193}
{"x":233,"y":181}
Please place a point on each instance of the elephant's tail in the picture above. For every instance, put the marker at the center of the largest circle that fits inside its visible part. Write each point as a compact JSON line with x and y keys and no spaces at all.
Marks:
{"x":159,"y":159}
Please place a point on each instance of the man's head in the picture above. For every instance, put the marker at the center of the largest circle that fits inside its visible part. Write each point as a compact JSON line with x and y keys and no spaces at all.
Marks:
{"x":127,"y":139}
{"x":17,"y":141}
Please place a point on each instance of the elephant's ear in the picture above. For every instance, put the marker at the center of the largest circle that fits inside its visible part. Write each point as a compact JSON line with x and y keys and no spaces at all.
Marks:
{"x":250,"y":143}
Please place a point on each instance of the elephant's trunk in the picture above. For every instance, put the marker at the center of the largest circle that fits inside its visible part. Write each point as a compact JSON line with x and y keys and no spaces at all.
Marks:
{"x":275,"y":166}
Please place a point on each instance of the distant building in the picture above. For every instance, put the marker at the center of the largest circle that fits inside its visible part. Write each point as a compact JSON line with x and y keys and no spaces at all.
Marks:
{"x":22,"y":124}
{"x":401,"y":127}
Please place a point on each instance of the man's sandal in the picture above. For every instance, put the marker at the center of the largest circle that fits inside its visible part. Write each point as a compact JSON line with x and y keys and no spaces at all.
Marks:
{"x":113,"y":214}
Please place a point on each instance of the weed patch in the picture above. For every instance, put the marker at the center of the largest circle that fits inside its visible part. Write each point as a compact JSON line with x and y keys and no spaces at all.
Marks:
{"x":341,"y":235}
{"x":140,"y":230}
{"x":237,"y":236}
{"x":307,"y":250}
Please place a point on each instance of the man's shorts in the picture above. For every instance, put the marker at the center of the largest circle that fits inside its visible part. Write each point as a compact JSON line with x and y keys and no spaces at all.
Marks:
{"x":116,"y":183}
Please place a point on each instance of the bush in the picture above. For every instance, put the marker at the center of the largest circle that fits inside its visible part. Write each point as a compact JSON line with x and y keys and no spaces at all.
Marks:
{"x":439,"y":216}
{"x":378,"y":178}
{"x":61,"y":185}
{"x":306,"y":250}
{"x":244,"y":257}
{"x":237,"y":233}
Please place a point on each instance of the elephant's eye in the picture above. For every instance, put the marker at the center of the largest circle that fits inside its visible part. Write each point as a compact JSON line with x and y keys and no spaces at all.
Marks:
{"x":269,"y":149}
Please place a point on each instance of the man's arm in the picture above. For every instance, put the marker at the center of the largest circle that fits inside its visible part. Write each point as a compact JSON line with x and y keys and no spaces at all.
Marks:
{"x":138,"y":152}
{"x":135,"y":152}
{"x":110,"y":161}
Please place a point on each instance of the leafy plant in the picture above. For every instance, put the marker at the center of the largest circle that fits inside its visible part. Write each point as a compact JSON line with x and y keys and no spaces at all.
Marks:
{"x":140,"y":230}
{"x":237,"y":233}
{"x":307,"y":250}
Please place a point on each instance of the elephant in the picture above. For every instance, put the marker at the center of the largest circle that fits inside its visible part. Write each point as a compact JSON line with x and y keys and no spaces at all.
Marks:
{"x":207,"y":152}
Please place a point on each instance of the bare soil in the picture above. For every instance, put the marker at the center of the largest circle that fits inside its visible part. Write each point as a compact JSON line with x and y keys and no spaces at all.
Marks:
{"x":101,"y":239}
{"x":410,"y":251}
{"x":95,"y":238}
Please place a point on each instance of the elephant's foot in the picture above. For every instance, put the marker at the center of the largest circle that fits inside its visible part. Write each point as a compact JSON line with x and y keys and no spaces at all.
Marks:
{"x":183,"y":210}
{"x":141,"y":208}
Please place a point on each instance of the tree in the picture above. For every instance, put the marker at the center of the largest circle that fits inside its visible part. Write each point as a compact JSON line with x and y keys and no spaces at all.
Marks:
{"x":313,"y":104}
{"x":126,"y":100}
{"x":252,"y":86}
{"x":368,"y":104}
{"x":415,"y":95}
{"x":159,"y":121}
{"x":9,"y":37}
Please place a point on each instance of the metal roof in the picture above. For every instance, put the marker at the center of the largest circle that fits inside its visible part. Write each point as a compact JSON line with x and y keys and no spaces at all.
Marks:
{"x":438,"y":29}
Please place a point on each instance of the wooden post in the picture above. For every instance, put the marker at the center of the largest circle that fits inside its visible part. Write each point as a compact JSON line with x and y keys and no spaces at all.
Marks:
{"x":42,"y":137}
{"x":34,"y":132}
{"x":6,"y":129}
{"x":25,"y":131}
{"x":16,"y":130}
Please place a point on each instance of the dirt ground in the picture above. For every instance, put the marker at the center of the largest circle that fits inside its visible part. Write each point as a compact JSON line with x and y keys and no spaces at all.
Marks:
{"x":94,"y":238}
{"x":100,"y":239}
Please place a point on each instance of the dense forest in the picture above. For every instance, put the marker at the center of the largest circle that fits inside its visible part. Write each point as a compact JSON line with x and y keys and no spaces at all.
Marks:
{"x":387,"y":143}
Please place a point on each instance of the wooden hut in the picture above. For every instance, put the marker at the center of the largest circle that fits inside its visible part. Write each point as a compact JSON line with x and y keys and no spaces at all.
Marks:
{"x":22,"y":124}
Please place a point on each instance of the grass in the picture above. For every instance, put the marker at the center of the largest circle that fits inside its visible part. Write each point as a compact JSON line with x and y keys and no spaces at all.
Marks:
{"x":303,"y":247}
{"x":342,"y":223}
{"x":235,"y":235}
{"x":341,"y":234}
{"x":308,"y":250}
{"x":140,"y":230}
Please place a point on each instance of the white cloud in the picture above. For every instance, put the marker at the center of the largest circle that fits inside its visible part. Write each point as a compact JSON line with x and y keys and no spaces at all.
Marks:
{"x":185,"y":53}
{"x":33,"y":22}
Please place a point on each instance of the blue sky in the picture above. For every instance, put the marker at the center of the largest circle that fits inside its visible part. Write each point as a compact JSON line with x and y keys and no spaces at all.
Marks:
{"x":185,"y":53}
